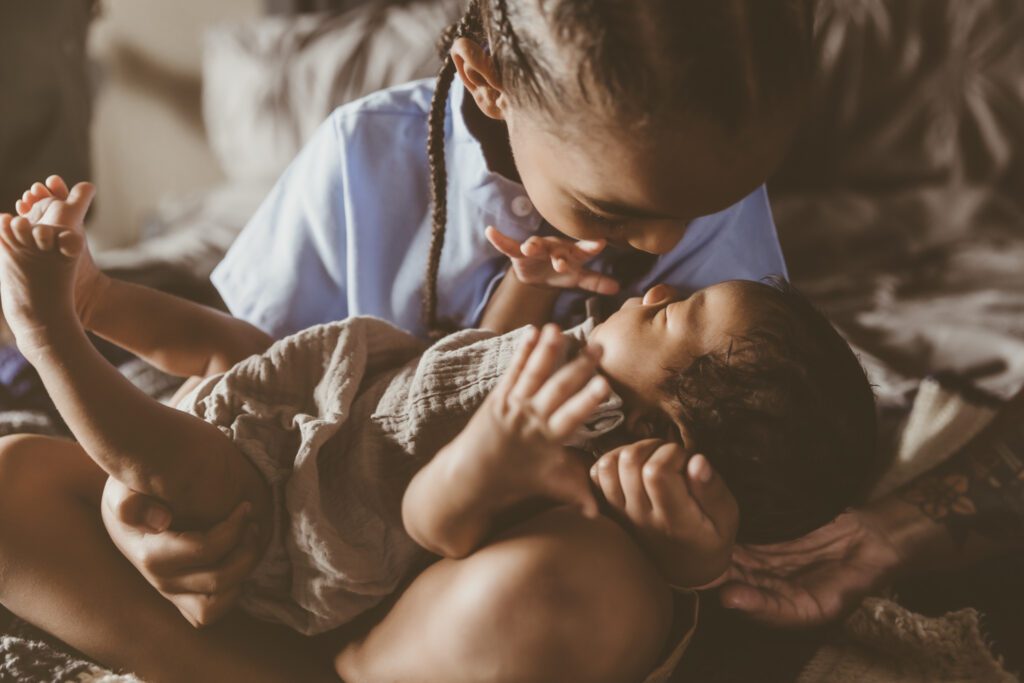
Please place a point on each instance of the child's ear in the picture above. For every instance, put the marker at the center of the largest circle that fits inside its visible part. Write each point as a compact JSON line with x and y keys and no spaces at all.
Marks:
{"x":477,"y":71}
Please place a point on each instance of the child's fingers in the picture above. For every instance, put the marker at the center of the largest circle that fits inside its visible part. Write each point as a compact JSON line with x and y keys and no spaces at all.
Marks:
{"x":566,"y":382}
{"x":22,"y":207}
{"x":568,"y":483}
{"x":631,"y":462}
{"x":585,"y":250}
{"x":542,"y":362}
{"x":503,"y":243}
{"x":605,"y":473}
{"x":713,"y":496}
{"x":203,"y":610}
{"x":574,"y":412}
{"x":57,"y":186}
{"x":598,"y":283}
{"x":536,"y":248}
{"x":224,"y":577}
{"x":522,"y":354}
{"x":666,"y":487}
{"x":176,"y":552}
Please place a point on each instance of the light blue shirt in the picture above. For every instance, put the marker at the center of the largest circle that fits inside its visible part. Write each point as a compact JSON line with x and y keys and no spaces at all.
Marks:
{"x":346,"y":229}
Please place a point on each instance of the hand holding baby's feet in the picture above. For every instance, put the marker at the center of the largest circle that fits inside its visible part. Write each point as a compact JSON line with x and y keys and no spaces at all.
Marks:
{"x":679,"y":508}
{"x":52,"y":204}
{"x":513,"y":444}
{"x":554,"y":261}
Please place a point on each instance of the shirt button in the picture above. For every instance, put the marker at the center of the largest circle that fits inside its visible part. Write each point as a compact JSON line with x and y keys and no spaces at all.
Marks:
{"x":522,"y":206}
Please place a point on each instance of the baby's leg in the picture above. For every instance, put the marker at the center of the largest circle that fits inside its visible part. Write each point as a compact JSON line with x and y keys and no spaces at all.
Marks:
{"x":146,"y":445}
{"x":556,"y":598}
{"x":60,"y":571}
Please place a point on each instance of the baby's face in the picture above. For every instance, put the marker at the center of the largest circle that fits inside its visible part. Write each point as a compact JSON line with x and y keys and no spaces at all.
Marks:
{"x":663,"y":330}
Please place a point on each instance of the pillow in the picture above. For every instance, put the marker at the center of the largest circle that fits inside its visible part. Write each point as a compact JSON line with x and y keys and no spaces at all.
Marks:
{"x":267,"y":84}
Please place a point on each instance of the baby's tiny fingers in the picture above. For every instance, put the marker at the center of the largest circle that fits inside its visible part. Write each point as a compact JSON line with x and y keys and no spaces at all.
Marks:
{"x":39,"y":191}
{"x":666,"y":487}
{"x":575,"y":411}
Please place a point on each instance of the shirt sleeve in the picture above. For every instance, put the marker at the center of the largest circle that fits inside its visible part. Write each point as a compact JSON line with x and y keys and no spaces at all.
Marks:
{"x":286,"y":270}
{"x":739,"y":243}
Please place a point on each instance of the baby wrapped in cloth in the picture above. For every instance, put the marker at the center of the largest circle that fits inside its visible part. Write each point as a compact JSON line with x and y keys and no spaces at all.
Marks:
{"x":338,"y":418}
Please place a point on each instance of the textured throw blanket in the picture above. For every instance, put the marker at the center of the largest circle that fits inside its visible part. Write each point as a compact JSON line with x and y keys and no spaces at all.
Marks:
{"x":884,"y":643}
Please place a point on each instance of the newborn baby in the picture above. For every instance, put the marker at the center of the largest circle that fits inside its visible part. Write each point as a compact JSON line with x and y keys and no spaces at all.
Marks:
{"x":359,"y":448}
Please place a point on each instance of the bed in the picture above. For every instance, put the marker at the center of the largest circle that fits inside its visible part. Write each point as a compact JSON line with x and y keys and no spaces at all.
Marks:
{"x":900,"y":209}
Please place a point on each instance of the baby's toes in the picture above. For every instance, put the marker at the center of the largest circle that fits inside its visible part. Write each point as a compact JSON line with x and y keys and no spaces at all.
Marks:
{"x":70,"y":243}
{"x":39,"y":191}
{"x":6,"y":232}
{"x":57,"y":186}
{"x":22,"y":229}
{"x":44,"y":237}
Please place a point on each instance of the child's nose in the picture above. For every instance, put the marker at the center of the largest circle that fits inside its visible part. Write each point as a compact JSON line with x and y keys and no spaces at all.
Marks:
{"x":660,"y":293}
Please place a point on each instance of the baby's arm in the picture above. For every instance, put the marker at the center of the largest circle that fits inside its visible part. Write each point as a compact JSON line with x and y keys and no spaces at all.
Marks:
{"x":178,"y":336}
{"x":149,"y":447}
{"x":510,"y":452}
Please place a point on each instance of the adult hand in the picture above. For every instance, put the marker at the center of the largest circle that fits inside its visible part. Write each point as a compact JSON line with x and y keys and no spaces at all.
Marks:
{"x":814,"y":579}
{"x":200,"y":572}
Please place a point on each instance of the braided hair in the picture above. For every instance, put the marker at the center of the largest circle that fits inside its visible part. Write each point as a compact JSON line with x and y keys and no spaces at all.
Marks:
{"x":636,"y":64}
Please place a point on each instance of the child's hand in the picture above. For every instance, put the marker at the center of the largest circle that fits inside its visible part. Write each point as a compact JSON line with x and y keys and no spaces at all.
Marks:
{"x":554,"y":261}
{"x":683,"y":514}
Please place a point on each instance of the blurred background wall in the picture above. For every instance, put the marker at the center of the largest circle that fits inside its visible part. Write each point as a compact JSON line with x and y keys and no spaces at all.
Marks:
{"x":148,"y":140}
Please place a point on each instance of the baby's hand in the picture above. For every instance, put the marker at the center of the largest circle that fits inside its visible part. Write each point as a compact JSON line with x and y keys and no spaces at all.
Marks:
{"x":554,"y":261}
{"x":682,"y":513}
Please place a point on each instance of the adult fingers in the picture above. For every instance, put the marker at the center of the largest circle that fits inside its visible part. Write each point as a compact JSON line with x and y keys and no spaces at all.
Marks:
{"x":713,"y":496}
{"x":575,"y":411}
{"x":566,"y":382}
{"x":542,"y":361}
{"x":503,"y":243}
{"x":772,"y":605}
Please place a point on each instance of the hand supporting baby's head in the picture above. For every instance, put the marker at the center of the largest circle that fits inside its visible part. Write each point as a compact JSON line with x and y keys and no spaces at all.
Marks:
{"x":751,"y":375}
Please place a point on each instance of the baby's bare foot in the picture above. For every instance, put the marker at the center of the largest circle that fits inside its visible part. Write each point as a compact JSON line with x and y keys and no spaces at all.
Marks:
{"x":54,"y":205}
{"x":37,"y":273}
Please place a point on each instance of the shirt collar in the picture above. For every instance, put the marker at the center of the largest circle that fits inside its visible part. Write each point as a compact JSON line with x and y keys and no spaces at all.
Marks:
{"x":504,"y":201}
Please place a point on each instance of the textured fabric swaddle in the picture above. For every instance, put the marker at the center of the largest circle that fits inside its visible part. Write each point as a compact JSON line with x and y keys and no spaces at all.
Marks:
{"x":338,"y":418}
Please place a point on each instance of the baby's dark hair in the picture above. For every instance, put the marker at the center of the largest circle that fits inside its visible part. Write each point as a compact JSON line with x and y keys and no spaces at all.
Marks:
{"x":786,"y":415}
{"x":632,"y":63}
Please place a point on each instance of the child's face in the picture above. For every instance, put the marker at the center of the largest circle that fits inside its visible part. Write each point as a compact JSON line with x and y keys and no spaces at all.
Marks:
{"x":645,"y":337}
{"x":637,"y":190}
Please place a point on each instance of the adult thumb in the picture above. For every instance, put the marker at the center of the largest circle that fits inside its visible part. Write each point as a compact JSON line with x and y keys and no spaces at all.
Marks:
{"x":139,"y":511}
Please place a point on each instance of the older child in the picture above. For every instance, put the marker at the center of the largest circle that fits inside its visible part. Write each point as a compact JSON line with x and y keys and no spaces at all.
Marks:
{"x":338,"y":417}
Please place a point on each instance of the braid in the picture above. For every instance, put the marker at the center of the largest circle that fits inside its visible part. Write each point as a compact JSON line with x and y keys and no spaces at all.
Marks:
{"x":468,"y":25}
